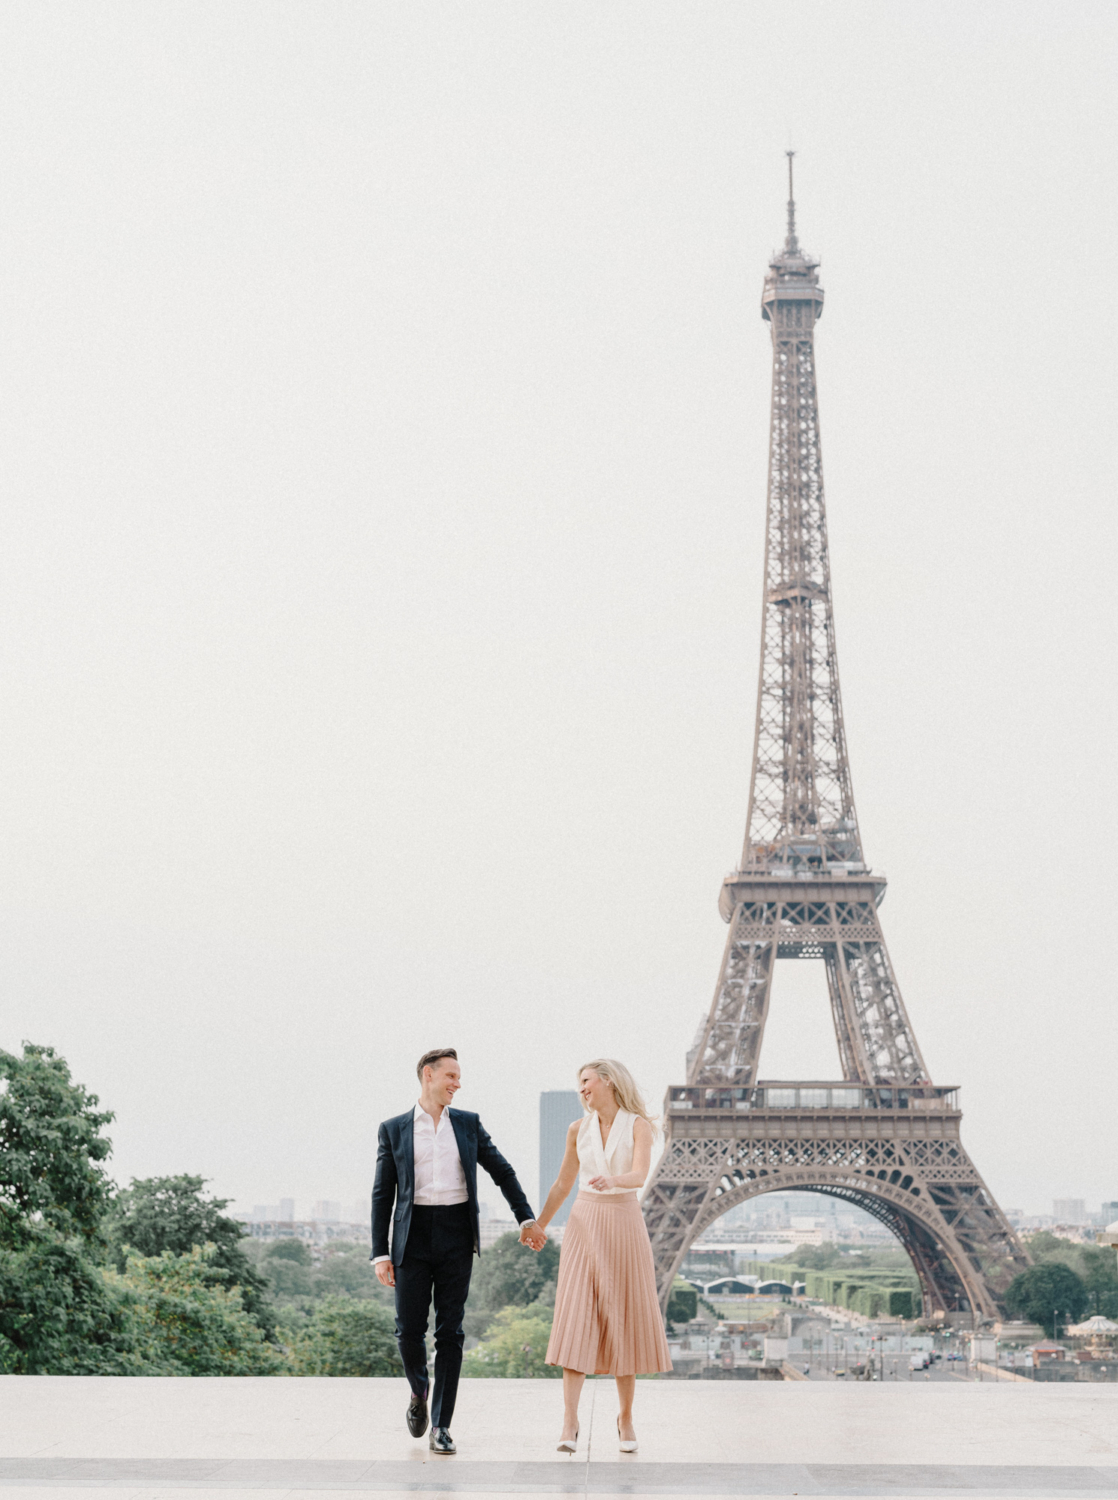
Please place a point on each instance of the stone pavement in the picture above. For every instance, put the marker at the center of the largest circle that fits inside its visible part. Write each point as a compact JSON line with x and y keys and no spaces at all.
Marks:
{"x":310,"y":1439}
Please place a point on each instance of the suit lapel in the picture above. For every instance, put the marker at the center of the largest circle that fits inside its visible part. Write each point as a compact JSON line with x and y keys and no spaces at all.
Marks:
{"x":465,"y":1144}
{"x":407,"y":1153}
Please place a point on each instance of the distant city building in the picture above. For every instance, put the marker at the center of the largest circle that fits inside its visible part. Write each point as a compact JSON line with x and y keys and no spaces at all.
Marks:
{"x":1069,"y":1211}
{"x":1109,"y":1213}
{"x":328,"y":1212}
{"x":491,"y":1229}
{"x":314,"y":1232}
{"x":558,"y":1108}
{"x":287,"y":1210}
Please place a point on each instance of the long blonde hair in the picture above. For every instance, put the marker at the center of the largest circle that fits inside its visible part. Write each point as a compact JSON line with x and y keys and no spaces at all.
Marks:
{"x":624,"y":1086}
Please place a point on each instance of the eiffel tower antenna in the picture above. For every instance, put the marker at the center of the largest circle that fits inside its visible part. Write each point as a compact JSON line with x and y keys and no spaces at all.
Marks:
{"x":883,"y":1137}
{"x":791,"y":245}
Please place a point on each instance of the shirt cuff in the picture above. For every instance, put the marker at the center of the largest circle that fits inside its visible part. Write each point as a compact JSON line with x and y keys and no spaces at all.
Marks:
{"x":380,"y":1259}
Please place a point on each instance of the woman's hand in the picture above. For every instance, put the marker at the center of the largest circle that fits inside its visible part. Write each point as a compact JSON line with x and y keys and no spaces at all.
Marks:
{"x":532,"y":1234}
{"x":601,"y":1184}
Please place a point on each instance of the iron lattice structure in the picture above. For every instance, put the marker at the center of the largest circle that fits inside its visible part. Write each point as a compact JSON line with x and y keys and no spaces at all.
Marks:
{"x":884,"y":1137}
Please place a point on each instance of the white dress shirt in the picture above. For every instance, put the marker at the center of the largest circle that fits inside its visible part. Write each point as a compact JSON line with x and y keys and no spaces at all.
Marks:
{"x":437,"y":1167}
{"x":439,"y":1178}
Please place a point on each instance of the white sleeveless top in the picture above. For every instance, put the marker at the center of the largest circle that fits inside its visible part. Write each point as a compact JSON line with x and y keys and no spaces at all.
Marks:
{"x":611,"y":1160}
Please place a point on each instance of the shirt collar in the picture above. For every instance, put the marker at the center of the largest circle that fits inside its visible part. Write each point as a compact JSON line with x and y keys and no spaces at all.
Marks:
{"x":419,"y":1114}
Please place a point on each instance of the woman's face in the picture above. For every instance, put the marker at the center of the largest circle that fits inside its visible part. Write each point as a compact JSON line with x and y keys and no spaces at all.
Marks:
{"x":594,"y":1091}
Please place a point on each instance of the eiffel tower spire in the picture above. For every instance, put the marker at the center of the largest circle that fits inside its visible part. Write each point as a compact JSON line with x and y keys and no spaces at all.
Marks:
{"x":790,"y":245}
{"x":801,"y":801}
{"x":884,"y":1136}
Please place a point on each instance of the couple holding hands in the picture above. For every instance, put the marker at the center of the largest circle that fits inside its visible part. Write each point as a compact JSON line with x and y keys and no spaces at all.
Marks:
{"x":607,"y":1318}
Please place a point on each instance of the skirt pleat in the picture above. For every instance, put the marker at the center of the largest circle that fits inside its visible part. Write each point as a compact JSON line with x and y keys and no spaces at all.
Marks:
{"x":607,"y":1317}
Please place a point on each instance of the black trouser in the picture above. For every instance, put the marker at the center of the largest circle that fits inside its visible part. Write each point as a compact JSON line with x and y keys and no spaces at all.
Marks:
{"x":438,"y":1258}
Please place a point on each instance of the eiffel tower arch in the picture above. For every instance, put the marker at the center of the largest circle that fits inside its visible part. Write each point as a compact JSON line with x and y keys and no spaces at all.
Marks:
{"x":883,"y":1137}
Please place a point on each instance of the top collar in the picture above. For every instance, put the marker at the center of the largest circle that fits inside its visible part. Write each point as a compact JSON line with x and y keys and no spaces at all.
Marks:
{"x":419,"y":1113}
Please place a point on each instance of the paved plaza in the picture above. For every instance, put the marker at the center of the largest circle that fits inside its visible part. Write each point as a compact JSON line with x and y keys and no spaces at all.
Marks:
{"x":149,"y":1439}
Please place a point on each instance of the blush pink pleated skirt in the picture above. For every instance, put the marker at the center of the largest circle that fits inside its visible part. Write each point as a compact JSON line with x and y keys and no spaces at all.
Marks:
{"x":607,"y":1319}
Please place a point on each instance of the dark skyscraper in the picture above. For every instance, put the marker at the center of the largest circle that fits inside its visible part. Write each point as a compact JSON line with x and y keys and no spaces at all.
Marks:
{"x":558,"y":1107}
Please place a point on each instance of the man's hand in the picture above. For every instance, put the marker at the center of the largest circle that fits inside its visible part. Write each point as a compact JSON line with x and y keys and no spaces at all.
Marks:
{"x":532,"y":1235}
{"x":386,"y":1274}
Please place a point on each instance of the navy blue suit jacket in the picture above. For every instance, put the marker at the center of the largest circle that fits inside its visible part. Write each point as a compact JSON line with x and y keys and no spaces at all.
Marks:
{"x":394,"y":1182}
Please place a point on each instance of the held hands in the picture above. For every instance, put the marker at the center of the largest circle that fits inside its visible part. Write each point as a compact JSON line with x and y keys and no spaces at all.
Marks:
{"x":532,"y":1235}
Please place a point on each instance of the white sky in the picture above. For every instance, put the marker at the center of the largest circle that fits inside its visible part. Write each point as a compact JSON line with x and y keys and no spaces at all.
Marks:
{"x":383,"y":440}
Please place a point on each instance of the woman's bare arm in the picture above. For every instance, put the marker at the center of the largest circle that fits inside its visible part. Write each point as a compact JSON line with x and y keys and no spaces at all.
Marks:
{"x":568,"y":1172}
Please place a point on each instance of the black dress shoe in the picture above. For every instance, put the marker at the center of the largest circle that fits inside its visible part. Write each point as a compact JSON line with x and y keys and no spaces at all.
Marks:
{"x":441,"y":1440}
{"x":417,"y":1416}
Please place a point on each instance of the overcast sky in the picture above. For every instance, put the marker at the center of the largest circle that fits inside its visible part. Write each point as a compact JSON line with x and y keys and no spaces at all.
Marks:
{"x":383,"y":446}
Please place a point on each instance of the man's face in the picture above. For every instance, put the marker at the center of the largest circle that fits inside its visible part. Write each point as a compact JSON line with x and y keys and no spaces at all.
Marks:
{"x":444,"y":1080}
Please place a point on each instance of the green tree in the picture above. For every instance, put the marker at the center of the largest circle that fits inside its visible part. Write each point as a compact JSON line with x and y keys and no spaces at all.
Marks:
{"x":294,"y":1250}
{"x":287,"y":1265}
{"x":901,"y":1302}
{"x":1100,"y":1277}
{"x":59,"y":1316}
{"x":51,"y":1150}
{"x":1091,"y":1262}
{"x":155,"y":1215}
{"x":511,"y":1275}
{"x":1044,"y":1245}
{"x":186,"y":1319}
{"x":345,"y":1336}
{"x":817,"y":1257}
{"x":683,"y":1303}
{"x":514,"y":1347}
{"x":345,"y":1270}
{"x":1050,"y":1294}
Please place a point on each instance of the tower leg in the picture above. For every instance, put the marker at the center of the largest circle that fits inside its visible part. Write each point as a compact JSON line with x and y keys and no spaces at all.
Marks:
{"x":729,"y":1043}
{"x":904,"y":1166}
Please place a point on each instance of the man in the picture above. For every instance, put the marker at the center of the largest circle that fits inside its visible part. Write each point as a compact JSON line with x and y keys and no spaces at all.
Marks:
{"x":427,"y":1161}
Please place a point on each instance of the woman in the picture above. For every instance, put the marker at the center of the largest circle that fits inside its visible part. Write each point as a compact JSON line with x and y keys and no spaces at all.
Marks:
{"x":607,"y":1318}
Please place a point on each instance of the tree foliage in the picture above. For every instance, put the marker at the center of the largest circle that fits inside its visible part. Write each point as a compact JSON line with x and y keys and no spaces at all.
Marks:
{"x":59,"y":1316}
{"x":1100,"y":1277}
{"x":1051,"y":1294}
{"x":289,"y":1279}
{"x":294,"y":1250}
{"x":345,"y":1269}
{"x":345,"y":1336}
{"x":515,"y":1346}
{"x":683,"y":1302}
{"x":1093,"y":1263}
{"x":511,"y":1275}
{"x":173,"y":1215}
{"x":299,"y":1282}
{"x":51,"y":1150}
{"x":186,"y":1319}
{"x":831,"y":1257}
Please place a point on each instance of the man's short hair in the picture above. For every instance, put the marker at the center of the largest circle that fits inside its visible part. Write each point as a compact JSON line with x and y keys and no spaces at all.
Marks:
{"x":429,"y":1059}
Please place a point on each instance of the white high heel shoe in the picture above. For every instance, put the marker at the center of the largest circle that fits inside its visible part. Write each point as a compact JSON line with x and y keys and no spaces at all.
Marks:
{"x":627,"y":1445}
{"x":568,"y":1445}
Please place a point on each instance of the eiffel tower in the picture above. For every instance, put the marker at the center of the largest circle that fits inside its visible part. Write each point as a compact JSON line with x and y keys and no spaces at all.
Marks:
{"x":883,"y":1137}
